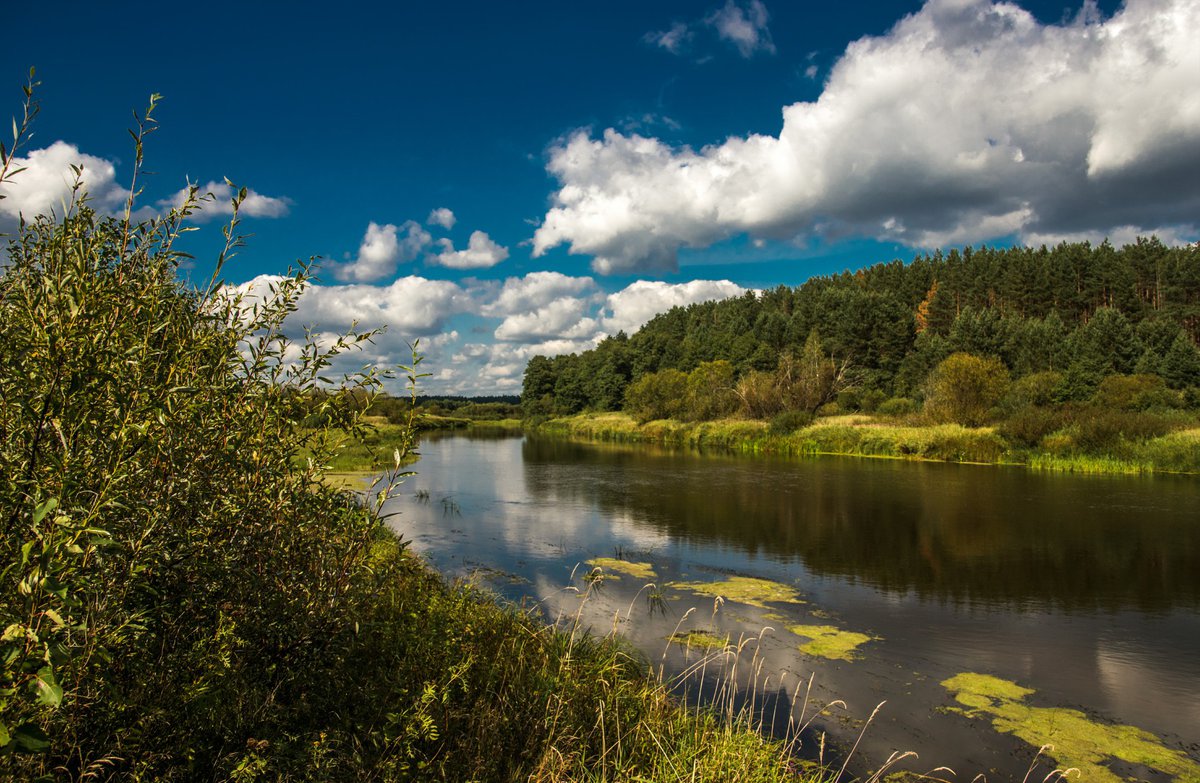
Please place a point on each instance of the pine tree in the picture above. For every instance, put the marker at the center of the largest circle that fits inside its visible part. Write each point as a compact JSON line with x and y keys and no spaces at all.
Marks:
{"x":1181,"y":364}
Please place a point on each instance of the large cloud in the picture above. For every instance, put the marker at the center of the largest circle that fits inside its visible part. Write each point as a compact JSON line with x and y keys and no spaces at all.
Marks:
{"x":545,"y":305}
{"x":968,"y":121}
{"x":409,"y":306}
{"x":46,"y":183}
{"x":536,"y":289}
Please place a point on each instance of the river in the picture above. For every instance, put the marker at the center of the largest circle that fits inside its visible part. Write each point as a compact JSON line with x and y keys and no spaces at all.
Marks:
{"x":1081,"y":595}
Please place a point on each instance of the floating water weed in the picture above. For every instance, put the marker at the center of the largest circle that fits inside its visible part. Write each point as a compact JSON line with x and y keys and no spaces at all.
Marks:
{"x":636,"y":570}
{"x":745,"y":590}
{"x":831,"y":642}
{"x":1068,"y":736}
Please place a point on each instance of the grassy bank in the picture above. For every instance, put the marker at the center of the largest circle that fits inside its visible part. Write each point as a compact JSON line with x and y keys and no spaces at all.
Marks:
{"x":866,"y":436}
{"x":439,"y":682}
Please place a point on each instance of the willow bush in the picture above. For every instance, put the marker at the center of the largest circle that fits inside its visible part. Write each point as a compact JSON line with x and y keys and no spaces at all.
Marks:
{"x":169,"y":571}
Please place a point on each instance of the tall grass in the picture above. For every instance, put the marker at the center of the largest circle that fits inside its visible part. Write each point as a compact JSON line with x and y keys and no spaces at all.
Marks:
{"x":850,"y":435}
{"x":1064,"y":449}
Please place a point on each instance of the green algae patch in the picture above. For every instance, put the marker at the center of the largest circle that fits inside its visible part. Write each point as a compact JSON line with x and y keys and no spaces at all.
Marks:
{"x":1074,"y":739}
{"x":636,"y":570}
{"x":828,"y":641}
{"x":745,"y":590}
{"x":706,"y":640}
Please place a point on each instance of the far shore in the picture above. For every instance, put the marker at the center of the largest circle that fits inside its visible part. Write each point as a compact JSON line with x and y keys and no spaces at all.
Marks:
{"x":865,"y":435}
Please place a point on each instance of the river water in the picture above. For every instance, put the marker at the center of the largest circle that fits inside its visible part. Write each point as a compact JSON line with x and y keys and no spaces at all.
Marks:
{"x":1084,"y":590}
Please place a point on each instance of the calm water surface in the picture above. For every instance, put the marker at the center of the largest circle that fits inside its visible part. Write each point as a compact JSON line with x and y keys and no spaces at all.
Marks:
{"x":1085,"y":589}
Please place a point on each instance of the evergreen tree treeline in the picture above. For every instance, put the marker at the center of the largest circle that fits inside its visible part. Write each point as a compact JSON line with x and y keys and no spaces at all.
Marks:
{"x":1086,"y":311}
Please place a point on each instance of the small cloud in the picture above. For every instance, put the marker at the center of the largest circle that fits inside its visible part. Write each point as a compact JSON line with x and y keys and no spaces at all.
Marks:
{"x":673,"y":39}
{"x":441,"y":217}
{"x":745,"y":26}
{"x":648,"y":122}
{"x":217,"y":200}
{"x":812,"y":71}
{"x":481,"y":253}
{"x":383,"y":248}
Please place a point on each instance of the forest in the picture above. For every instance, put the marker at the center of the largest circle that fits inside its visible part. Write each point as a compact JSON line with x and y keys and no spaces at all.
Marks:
{"x":1055,"y":323}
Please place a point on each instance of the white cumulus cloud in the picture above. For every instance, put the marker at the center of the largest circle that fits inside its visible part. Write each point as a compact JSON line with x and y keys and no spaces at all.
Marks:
{"x":383,"y":248}
{"x":220,"y":202}
{"x":481,"y":252}
{"x":536,"y":289}
{"x":968,"y":121}
{"x":541,"y":313}
{"x":560,"y":319}
{"x":630,"y":308}
{"x":441,"y":217}
{"x":46,"y":184}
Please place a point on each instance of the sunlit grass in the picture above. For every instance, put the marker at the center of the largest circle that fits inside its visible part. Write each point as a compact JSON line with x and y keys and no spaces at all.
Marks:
{"x":880,"y":437}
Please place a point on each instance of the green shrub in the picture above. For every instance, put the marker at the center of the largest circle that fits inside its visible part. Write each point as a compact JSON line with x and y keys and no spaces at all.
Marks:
{"x":1097,"y":430}
{"x":759,"y":394}
{"x":1036,"y":389}
{"x":1191,"y":398}
{"x":790,"y":421}
{"x":964,"y":388}
{"x":849,"y":401}
{"x":870,"y":400}
{"x":897,"y":406}
{"x":657,"y":395}
{"x":1135,"y":393}
{"x":710,"y":392}
{"x":1029,"y":425}
{"x":173,"y":560}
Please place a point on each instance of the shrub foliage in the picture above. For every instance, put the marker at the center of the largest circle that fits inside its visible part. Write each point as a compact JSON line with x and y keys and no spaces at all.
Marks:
{"x":169,"y":570}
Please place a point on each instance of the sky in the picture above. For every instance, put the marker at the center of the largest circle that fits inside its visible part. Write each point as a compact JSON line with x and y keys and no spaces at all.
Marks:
{"x":502,"y":180}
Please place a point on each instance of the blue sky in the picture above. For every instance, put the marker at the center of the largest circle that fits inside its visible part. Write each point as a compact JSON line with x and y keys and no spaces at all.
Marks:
{"x":505,"y":179}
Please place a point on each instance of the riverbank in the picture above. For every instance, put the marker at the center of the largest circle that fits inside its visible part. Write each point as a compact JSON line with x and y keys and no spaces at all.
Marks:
{"x":470,"y":689}
{"x":862,"y":435}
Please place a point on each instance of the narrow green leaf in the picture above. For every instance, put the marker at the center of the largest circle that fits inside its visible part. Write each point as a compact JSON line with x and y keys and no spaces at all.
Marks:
{"x":45,"y":508}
